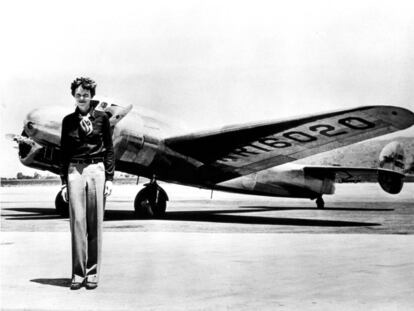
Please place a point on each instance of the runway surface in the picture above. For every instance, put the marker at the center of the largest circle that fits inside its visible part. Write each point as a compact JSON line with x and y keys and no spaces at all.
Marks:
{"x":233,"y":252}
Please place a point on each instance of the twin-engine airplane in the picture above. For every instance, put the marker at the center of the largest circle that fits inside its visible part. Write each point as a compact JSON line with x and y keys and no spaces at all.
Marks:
{"x":248,"y":158}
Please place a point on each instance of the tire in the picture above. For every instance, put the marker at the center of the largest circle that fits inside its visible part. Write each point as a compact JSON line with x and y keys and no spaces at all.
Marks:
{"x":145,"y":206}
{"x":62,"y":208}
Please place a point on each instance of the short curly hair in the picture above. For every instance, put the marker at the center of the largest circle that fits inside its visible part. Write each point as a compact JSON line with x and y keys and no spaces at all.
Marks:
{"x":86,"y":83}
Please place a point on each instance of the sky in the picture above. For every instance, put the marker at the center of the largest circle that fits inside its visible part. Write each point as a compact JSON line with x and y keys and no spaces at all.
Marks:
{"x":205,"y":63}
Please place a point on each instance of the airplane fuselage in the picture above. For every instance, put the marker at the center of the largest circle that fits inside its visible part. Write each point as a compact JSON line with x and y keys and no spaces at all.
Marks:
{"x":140,"y":150}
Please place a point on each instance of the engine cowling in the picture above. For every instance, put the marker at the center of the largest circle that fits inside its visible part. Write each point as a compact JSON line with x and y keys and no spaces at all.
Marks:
{"x":36,"y":156}
{"x":392,"y":158}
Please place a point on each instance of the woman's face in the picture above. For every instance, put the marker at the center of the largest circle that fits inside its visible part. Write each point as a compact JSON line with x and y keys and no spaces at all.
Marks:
{"x":83,"y":98}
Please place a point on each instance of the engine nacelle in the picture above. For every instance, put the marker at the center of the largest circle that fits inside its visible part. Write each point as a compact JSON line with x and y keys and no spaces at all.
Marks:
{"x":392,"y":157}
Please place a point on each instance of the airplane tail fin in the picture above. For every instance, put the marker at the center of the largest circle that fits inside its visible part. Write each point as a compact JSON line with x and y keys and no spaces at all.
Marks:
{"x":392,"y":157}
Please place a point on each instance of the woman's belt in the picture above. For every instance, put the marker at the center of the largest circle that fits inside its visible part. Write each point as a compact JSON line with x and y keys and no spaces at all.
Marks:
{"x":87,"y":161}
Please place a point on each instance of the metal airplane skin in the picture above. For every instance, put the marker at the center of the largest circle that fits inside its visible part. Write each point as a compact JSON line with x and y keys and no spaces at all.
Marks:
{"x":251,"y":158}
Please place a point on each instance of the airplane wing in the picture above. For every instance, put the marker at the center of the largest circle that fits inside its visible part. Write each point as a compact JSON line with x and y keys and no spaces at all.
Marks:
{"x":342,"y":174}
{"x":244,"y":149}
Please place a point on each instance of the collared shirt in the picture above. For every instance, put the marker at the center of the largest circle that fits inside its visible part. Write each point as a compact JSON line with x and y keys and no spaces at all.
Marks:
{"x":76,"y":145}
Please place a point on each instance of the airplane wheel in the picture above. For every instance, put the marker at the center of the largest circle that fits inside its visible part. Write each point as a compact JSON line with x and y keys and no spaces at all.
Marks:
{"x":62,"y":208}
{"x":145,"y":205}
{"x":320,"y":203}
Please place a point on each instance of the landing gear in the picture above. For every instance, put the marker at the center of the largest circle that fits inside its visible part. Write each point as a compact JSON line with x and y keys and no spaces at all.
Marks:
{"x":62,"y":207}
{"x":151,"y":201}
{"x":320,"y":203}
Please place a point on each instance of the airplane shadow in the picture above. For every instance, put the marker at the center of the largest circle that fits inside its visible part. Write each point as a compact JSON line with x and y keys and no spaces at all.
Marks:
{"x":223,"y":217}
{"x":348,"y":209}
{"x":31,"y":213}
{"x":62,"y":282}
{"x":218,"y":216}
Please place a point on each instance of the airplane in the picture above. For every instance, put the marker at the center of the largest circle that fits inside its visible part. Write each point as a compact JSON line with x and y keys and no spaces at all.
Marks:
{"x":254,"y":158}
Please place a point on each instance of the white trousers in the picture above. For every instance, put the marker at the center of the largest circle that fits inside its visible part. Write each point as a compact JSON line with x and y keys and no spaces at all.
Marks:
{"x":86,"y":209}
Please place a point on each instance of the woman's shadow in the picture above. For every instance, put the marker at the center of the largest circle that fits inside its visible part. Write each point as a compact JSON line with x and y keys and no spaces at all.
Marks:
{"x":55,"y":282}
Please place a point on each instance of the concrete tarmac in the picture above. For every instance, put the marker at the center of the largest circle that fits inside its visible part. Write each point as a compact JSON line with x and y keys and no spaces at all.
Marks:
{"x":233,"y":252}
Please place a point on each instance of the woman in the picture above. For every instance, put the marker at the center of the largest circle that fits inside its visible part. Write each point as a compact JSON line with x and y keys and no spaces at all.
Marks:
{"x":87,"y":170}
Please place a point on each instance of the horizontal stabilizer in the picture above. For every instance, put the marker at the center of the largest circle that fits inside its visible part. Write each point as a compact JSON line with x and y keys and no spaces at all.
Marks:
{"x":343,"y":174}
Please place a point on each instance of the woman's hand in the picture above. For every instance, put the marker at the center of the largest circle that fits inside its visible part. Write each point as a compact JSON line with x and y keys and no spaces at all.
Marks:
{"x":65,"y":193}
{"x":108,"y":188}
